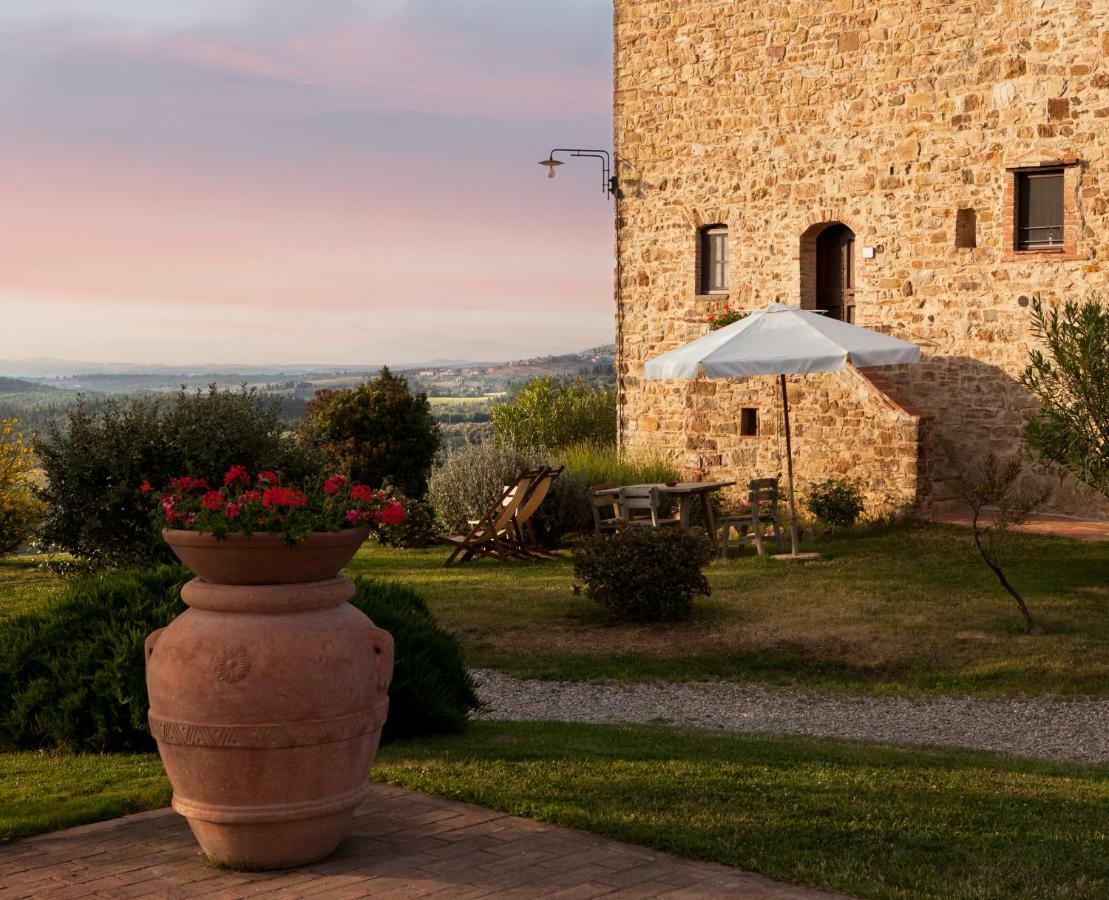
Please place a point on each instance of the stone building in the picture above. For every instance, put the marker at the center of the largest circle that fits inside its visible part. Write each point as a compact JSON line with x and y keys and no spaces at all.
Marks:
{"x":918,"y":168}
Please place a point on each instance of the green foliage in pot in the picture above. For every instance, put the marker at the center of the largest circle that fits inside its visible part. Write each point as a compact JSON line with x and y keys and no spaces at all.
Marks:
{"x":72,"y":676}
{"x":376,"y":432}
{"x":835,"y":503}
{"x":644,"y":574}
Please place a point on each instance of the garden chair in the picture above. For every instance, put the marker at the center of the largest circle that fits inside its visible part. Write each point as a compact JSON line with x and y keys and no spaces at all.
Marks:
{"x":762,"y":513}
{"x":610,"y":520}
{"x":642,"y":505}
{"x":491,"y":535}
{"x":523,"y":528}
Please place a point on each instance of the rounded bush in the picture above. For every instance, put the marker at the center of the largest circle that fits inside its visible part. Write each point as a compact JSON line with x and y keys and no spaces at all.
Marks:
{"x":835,"y":503}
{"x":644,"y":574}
{"x":72,"y":676}
{"x":431,"y":692}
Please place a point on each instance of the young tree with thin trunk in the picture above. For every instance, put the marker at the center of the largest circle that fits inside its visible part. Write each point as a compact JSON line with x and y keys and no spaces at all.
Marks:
{"x":996,"y":505}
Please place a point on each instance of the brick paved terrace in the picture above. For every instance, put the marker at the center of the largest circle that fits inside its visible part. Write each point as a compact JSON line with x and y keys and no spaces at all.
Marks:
{"x":401,"y":844}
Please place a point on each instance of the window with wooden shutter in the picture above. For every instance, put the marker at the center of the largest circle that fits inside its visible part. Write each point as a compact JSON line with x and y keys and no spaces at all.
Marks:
{"x":713,"y":251}
{"x":1039,"y":209}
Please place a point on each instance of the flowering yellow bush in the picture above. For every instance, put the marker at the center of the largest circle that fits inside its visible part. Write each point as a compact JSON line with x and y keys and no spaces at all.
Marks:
{"x":20,"y":509}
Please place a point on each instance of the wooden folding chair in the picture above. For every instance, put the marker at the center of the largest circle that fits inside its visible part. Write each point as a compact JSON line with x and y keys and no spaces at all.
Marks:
{"x":523,"y":528}
{"x":609,"y":522}
{"x":491,"y":535}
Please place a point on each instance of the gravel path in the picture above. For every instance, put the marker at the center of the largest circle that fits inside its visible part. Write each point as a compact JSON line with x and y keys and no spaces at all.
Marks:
{"x":1049,"y":729}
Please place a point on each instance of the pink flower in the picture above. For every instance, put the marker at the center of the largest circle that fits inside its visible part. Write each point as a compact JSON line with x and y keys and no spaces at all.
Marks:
{"x":334,"y":484}
{"x":232,"y":510}
{"x":354,"y":516}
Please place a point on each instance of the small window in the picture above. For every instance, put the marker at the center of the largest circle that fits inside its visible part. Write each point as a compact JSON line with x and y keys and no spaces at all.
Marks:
{"x":713,"y":251}
{"x":966,"y":229}
{"x":1039,"y":209}
{"x":748,"y":422}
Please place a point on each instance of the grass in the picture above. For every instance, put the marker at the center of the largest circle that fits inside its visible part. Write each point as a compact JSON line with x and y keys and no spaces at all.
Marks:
{"x":905,"y":609}
{"x":47,"y":791}
{"x":910,"y":608}
{"x":871,"y":820}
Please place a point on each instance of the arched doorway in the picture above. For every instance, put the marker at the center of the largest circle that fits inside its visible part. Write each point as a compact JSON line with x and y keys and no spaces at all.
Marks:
{"x":835,"y":272}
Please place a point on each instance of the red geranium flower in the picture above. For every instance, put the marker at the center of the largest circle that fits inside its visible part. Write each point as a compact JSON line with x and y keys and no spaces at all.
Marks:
{"x":360,"y":493}
{"x":279,"y":496}
{"x":334,"y":484}
{"x":268,"y":477}
{"x":232,"y":511}
{"x":236,"y":475}
{"x":250,"y":496}
{"x":212,"y":501}
{"x":146,"y":487}
{"x":391,"y":514}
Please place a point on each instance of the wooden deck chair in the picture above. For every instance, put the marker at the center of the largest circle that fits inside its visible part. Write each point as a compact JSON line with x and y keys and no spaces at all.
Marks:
{"x":527,"y":541}
{"x":642,"y":505}
{"x":603,"y":522}
{"x":491,"y":534}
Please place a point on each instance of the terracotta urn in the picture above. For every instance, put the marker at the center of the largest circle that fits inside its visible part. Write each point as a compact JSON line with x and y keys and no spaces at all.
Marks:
{"x":268,"y":696}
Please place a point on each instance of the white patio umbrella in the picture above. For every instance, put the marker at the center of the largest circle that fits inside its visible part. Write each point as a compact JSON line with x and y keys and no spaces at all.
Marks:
{"x":782,"y":340}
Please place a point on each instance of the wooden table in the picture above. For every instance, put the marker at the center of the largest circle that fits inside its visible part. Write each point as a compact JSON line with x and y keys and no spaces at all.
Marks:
{"x":687,"y":493}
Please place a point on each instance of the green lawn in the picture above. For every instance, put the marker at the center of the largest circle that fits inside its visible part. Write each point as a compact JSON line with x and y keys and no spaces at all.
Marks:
{"x":870,"y":820}
{"x":901,"y":609}
{"x":908,"y":608}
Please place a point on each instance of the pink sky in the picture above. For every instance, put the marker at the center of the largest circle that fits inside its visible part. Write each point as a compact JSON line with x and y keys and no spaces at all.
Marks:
{"x":266,"y":181}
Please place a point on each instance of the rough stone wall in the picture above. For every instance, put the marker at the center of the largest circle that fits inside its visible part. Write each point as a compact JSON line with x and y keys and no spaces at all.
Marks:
{"x":778,"y":117}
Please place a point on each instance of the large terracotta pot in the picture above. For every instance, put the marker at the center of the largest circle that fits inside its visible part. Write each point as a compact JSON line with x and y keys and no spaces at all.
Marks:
{"x":267,"y":700}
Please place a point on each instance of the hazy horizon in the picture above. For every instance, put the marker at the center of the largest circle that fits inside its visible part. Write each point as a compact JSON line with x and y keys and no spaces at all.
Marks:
{"x":246,"y":181}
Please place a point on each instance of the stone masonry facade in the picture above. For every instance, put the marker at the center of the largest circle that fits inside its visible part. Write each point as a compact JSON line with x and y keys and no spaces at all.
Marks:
{"x":907,"y":122}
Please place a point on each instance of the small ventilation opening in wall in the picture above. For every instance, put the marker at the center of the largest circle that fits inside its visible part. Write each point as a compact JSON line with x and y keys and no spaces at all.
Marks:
{"x":748,"y":422}
{"x":966,"y":229}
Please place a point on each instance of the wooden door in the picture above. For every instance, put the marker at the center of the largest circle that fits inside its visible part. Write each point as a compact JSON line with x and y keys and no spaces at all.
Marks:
{"x":835,"y":272}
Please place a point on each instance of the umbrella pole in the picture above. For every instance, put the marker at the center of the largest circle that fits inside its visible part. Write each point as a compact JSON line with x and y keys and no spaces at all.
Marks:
{"x":793,"y":538}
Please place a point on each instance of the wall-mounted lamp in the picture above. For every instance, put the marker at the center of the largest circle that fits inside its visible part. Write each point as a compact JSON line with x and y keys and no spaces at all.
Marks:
{"x":608,"y":180}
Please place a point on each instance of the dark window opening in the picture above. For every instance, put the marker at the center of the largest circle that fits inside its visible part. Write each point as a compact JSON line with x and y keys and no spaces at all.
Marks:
{"x":748,"y":422}
{"x":1039,"y":209}
{"x":713,"y":248}
{"x":966,"y":229}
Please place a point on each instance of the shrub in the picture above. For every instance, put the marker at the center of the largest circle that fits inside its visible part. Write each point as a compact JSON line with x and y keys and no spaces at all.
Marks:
{"x":549,"y":413}
{"x":376,"y":432}
{"x":95,"y":465}
{"x":835,"y":503}
{"x":1071,"y":381}
{"x":431,"y":692}
{"x":20,"y":510}
{"x":417,"y":529}
{"x":644,"y":574}
{"x":568,"y":510}
{"x":470,"y":480}
{"x":72,"y":676}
